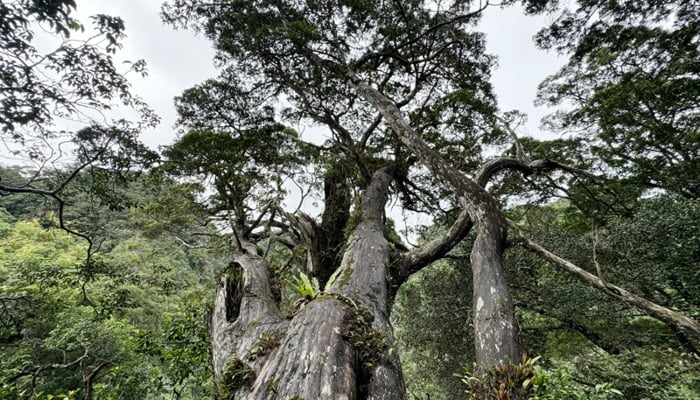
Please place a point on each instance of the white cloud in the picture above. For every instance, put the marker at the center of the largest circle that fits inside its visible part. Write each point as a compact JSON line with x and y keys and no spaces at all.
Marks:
{"x":176,"y":60}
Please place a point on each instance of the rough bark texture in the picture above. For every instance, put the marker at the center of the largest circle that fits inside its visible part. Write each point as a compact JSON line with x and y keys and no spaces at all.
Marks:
{"x":336,"y":213}
{"x":495,"y":326}
{"x":314,"y":355}
{"x":243,"y":298}
{"x":363,"y":279}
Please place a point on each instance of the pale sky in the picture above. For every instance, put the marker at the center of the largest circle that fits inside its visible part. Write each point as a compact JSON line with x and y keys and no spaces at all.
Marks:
{"x":178,"y":60}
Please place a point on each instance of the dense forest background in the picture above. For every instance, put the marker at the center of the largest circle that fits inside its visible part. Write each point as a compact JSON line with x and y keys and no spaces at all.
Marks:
{"x":111,"y":253}
{"x":135,"y":327}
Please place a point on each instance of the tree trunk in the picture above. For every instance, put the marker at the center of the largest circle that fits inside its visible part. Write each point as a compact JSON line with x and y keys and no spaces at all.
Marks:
{"x":337,"y":346}
{"x":495,"y":326}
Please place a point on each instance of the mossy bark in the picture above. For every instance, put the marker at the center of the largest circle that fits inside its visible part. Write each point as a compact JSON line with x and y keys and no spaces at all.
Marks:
{"x":315,"y":358}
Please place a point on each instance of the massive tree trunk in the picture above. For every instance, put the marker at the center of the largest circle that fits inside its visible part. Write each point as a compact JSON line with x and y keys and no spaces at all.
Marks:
{"x":337,"y":346}
{"x":495,"y":325}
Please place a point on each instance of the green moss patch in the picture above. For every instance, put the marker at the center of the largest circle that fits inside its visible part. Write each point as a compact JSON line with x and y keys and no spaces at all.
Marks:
{"x":236,"y":375}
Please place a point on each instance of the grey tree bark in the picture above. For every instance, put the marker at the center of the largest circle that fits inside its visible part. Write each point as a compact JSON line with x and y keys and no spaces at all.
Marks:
{"x":316,"y":354}
{"x":495,"y":325}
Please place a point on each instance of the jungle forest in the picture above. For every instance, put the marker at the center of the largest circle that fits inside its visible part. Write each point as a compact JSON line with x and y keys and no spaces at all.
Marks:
{"x":417,"y":246}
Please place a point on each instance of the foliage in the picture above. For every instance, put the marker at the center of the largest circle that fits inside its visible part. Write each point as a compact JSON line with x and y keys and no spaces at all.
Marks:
{"x":54,"y":73}
{"x":592,"y":346}
{"x":502,"y":382}
{"x":433,"y":327}
{"x":259,"y":151}
{"x":307,"y":288}
{"x":559,"y":384}
{"x":630,"y":87}
{"x":183,"y":346}
{"x":369,"y":343}
{"x":56,"y":76}
{"x":235,"y":376}
{"x":587,"y":337}
{"x":39,"y":86}
{"x":127,"y":321}
{"x":24,"y":205}
{"x":662,"y":269}
{"x":267,"y":341}
{"x":59,"y":331}
{"x":267,"y":52}
{"x":136,"y":320}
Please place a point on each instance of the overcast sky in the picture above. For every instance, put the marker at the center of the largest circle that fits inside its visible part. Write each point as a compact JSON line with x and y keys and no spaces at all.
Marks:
{"x":178,"y":60}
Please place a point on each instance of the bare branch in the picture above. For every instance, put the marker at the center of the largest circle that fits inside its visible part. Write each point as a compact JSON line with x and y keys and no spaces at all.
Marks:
{"x":519,"y":151}
{"x":596,"y":240}
{"x":674,"y":318}
{"x":188,"y":245}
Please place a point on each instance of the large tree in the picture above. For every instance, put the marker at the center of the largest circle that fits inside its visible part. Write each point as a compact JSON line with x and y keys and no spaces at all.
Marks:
{"x":402,"y":90}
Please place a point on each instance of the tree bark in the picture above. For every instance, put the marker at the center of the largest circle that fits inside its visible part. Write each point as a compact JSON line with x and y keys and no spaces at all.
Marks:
{"x":495,"y":326}
{"x":316,"y":354}
{"x":336,"y":213}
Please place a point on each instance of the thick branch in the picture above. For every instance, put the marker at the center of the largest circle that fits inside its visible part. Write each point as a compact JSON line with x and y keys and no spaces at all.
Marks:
{"x":418,"y":258}
{"x":243,"y":294}
{"x":35,"y":370}
{"x":88,"y":378}
{"x":494,"y":317}
{"x":679,"y":320}
{"x":411,"y":262}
